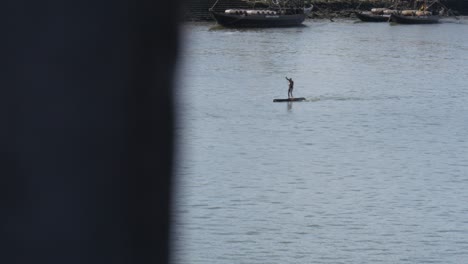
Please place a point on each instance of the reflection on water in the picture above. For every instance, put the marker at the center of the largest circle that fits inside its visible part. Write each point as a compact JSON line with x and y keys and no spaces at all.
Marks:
{"x":372,"y":168}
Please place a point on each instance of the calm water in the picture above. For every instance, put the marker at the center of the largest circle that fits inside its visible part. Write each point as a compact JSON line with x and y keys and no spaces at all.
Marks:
{"x":373,"y":168}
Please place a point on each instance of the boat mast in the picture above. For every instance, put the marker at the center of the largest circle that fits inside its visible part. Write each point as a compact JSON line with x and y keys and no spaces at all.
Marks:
{"x":213,"y":5}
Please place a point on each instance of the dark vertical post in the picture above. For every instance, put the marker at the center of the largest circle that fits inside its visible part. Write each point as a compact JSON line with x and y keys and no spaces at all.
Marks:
{"x":86,"y":119}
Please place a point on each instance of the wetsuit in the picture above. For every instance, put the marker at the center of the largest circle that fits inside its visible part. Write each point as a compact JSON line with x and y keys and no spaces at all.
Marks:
{"x":291,"y":87}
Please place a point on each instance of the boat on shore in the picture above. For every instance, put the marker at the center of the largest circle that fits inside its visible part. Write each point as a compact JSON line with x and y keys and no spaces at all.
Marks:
{"x":428,"y":13}
{"x":414,"y":19}
{"x":406,"y":13}
{"x":273,"y":16}
{"x":375,"y":15}
{"x":371,"y":17}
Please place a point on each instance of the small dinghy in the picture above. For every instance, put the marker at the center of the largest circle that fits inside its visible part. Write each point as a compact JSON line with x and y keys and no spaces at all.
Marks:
{"x":298,"y":99}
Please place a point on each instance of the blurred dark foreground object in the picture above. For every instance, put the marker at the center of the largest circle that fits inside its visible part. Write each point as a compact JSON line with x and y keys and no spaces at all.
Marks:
{"x":86,"y":124}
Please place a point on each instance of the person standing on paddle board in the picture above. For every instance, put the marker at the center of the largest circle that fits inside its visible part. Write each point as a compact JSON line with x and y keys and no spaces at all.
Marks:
{"x":291,"y":87}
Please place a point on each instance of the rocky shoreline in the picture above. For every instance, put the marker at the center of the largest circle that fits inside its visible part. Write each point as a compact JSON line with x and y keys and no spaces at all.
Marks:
{"x":343,"y":8}
{"x":346,"y":8}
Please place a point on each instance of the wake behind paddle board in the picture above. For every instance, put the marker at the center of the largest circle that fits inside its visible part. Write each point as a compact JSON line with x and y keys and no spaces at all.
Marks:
{"x":298,"y":99}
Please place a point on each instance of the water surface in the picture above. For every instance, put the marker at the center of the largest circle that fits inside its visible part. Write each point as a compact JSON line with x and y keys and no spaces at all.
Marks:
{"x":373,"y":168}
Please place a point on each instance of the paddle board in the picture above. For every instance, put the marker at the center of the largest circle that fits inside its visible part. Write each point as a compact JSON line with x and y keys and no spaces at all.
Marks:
{"x":298,"y":99}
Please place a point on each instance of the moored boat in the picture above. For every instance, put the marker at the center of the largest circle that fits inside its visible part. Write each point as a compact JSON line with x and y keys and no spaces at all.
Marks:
{"x":426,"y":14}
{"x":421,"y":19}
{"x":375,"y":15}
{"x":252,"y":18}
{"x":272,"y":16}
{"x":370,"y":17}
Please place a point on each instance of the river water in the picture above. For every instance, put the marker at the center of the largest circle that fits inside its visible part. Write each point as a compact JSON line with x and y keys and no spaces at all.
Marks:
{"x":372,"y":168}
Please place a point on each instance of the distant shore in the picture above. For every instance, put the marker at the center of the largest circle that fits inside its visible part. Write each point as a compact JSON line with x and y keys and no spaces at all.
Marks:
{"x":347,"y":8}
{"x":344,"y":8}
{"x":197,"y":10}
